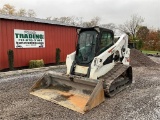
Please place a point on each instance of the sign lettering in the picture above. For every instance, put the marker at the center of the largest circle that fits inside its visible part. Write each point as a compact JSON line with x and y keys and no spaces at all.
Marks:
{"x":29,"y":39}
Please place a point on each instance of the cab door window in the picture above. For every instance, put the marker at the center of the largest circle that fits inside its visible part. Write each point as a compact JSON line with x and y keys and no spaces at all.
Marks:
{"x":106,"y":41}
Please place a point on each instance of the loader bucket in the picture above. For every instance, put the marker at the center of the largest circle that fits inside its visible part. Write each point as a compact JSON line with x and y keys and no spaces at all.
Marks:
{"x":78,"y":94}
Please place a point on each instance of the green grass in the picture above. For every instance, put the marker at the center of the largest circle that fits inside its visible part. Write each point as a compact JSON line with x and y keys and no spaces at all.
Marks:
{"x":150,"y":52}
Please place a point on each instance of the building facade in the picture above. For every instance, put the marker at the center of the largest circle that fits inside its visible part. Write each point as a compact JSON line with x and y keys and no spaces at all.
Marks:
{"x":33,"y":39}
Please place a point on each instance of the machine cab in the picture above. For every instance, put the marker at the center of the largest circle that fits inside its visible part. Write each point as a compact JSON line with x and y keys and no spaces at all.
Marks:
{"x":91,"y":43}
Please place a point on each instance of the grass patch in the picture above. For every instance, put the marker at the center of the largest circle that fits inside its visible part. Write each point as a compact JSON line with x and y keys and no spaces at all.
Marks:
{"x":150,"y":52}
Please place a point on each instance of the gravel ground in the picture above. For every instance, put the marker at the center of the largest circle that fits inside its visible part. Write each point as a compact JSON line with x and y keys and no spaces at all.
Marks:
{"x":139,"y":59}
{"x":140,"y":101}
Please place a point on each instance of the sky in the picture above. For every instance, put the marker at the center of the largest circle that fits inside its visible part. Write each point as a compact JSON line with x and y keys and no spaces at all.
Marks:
{"x":109,"y":11}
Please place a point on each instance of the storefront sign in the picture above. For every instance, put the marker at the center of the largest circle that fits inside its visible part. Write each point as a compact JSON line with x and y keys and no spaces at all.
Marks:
{"x":29,"y":39}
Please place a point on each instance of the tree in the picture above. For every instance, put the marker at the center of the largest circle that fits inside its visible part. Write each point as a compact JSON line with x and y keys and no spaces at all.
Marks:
{"x":110,"y":26}
{"x":142,"y":33}
{"x":8,"y":9}
{"x":77,"y":21}
{"x":49,"y":18}
{"x":158,"y":43}
{"x":72,"y":20}
{"x":22,"y":12}
{"x":152,"y":41}
{"x":132,"y":25}
{"x":31,"y":13}
{"x":139,"y":44}
{"x":158,"y":31}
{"x":94,"y":22}
{"x":65,"y":20}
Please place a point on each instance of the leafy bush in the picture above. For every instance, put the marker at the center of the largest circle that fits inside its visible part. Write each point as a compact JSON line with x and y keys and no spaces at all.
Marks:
{"x":139,"y":44}
{"x":36,"y":63}
{"x":58,"y":51}
{"x":11,"y":59}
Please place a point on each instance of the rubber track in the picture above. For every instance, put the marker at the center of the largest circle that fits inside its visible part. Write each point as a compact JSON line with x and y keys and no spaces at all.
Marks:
{"x":111,"y":76}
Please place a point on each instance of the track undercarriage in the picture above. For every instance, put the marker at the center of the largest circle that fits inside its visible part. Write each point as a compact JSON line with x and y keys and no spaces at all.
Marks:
{"x":117,"y":79}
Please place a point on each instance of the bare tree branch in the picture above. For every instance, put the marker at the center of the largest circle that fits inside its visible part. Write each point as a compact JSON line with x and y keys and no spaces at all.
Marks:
{"x":31,"y":13}
{"x":131,"y":27}
{"x":22,"y":12}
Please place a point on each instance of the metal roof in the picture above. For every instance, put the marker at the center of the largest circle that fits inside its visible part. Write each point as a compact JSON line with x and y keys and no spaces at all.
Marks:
{"x":32,"y":19}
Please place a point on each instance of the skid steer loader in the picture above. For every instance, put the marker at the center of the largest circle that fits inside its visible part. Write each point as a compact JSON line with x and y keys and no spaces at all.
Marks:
{"x":99,"y":67}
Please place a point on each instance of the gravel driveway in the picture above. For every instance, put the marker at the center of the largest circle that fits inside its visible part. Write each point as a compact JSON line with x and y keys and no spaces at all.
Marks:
{"x":140,"y":101}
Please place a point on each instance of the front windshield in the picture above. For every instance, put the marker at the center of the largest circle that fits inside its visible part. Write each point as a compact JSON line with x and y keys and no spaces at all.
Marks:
{"x":86,"y":47}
